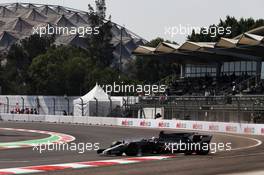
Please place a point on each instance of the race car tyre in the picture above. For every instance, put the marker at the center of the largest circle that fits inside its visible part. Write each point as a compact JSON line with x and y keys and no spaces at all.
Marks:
{"x":190,"y":152}
{"x":203,"y":152}
{"x":133,"y":150}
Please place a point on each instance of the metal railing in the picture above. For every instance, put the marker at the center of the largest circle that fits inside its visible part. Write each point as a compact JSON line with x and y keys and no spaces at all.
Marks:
{"x":248,"y":109}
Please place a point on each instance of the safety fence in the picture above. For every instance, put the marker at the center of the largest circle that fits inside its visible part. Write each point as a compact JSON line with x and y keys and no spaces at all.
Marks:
{"x":46,"y":105}
{"x":237,"y":128}
{"x":236,"y":109}
{"x":64,"y":105}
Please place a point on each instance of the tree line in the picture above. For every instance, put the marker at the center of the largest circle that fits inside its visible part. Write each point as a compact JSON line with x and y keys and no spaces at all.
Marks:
{"x":36,"y":66}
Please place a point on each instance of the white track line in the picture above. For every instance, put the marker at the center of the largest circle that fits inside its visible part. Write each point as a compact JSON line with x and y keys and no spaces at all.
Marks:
{"x":248,"y":173}
{"x":78,"y":165}
{"x":258,"y":142}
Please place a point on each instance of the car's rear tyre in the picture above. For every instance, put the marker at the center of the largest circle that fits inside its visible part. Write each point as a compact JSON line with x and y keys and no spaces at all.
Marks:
{"x":188,"y":152}
{"x":203,"y":152}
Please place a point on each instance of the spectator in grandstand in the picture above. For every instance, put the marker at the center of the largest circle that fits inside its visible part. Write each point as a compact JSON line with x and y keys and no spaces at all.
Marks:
{"x":17,"y":109}
{"x":233,"y":88}
{"x":64,"y":113}
{"x":27,"y":111}
{"x":167,"y":92}
{"x":35,"y":111}
{"x":31,"y":111}
{"x":22,"y":111}
{"x":207,"y":93}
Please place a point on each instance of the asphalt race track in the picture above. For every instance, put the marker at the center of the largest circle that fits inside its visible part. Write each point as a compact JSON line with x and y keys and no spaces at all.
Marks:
{"x":246,"y":156}
{"x":13,"y":136}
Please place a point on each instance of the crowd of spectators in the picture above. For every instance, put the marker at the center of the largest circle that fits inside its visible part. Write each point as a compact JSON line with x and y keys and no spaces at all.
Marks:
{"x":225,"y":84}
{"x":18,"y":110}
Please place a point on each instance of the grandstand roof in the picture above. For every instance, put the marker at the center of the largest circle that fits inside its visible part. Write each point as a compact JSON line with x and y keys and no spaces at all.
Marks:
{"x":226,"y":43}
{"x":5,"y":12}
{"x":62,"y":21}
{"x":144,"y":50}
{"x":256,"y":31}
{"x":19,"y":25}
{"x":166,"y":47}
{"x":77,"y":19}
{"x":250,"y":39}
{"x":71,"y":40}
{"x":248,"y":46}
{"x":20,"y":18}
{"x":46,"y":10}
{"x":7,"y":39}
{"x":34,"y":15}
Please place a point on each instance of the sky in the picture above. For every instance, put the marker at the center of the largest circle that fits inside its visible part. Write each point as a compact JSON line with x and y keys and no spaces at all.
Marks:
{"x":152,"y":18}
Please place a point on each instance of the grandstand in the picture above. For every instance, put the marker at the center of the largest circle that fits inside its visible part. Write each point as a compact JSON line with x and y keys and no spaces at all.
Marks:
{"x":218,"y":81}
{"x":227,"y":66}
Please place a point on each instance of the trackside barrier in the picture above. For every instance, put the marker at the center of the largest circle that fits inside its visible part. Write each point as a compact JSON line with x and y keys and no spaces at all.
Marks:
{"x":238,"y":128}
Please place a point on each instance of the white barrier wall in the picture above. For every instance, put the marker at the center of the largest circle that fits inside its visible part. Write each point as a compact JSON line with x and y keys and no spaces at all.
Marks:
{"x":254,"y":129}
{"x":238,"y":128}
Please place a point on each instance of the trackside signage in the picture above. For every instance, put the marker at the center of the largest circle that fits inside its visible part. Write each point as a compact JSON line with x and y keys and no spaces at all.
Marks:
{"x":127,"y":123}
{"x":231,"y":128}
{"x":249,"y":130}
{"x":145,"y":123}
{"x":213,"y":127}
{"x":164,"y":124}
{"x":240,"y":128}
{"x":197,"y":126}
{"x":181,"y":125}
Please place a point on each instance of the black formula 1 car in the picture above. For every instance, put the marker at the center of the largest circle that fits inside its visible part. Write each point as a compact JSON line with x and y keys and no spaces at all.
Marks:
{"x":166,"y":143}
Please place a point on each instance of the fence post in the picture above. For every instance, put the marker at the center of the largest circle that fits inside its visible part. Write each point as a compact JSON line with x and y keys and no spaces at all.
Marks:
{"x":96,"y":106}
{"x":7,"y":102}
{"x":54,"y":106}
{"x":82,"y":107}
{"x":68,"y":104}
{"x":125,"y":102}
{"x":111,"y":105}
{"x":155,"y":110}
{"x":183,"y":107}
{"x":38,"y":105}
{"x":238,"y":109}
{"x":23,"y":103}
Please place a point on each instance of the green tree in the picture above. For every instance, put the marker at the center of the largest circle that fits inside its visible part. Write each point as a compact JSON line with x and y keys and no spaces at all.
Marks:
{"x":76,"y":71}
{"x":101,"y":8}
{"x":59,"y":71}
{"x":237,"y":27}
{"x":99,"y":45}
{"x":15,"y":72}
{"x":151,"y":70}
{"x":36,"y":45}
